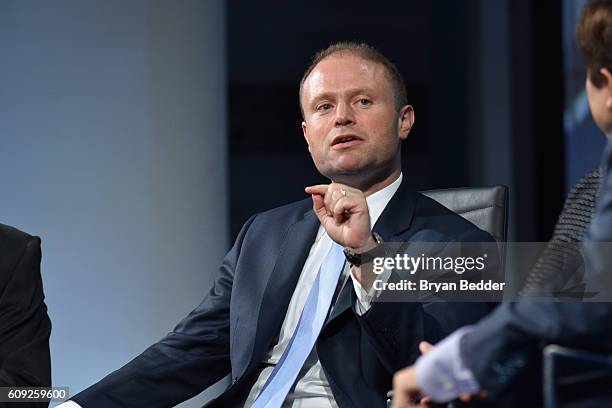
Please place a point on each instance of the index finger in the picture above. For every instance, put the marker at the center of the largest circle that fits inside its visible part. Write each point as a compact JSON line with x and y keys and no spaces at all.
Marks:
{"x":425,"y":347}
{"x":320,"y":189}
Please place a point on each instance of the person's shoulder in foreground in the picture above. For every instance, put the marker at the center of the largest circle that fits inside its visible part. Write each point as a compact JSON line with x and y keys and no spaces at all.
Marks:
{"x":24,"y":324}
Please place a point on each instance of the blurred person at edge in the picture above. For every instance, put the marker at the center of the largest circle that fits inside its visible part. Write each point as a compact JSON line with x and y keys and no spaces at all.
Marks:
{"x":25,"y":327}
{"x":499,"y":358}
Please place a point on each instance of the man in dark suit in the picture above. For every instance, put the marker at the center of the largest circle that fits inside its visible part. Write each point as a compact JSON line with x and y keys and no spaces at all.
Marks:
{"x":499,"y":356}
{"x":24,"y":324}
{"x":287,"y":318}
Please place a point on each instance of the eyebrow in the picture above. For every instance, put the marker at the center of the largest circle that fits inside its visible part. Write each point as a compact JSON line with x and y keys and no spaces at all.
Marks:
{"x":352,"y":92}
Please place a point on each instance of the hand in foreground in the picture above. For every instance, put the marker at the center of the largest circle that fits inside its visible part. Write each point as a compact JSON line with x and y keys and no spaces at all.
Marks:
{"x":343,"y":212}
{"x":407,"y":393}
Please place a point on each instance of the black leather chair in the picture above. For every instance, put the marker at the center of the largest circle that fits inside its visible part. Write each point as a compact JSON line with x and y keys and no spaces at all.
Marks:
{"x":485,"y":207}
{"x":577,"y":377}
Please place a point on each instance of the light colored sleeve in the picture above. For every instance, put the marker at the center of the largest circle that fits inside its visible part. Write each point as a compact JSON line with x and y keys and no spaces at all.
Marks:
{"x":365,"y":298}
{"x":442,"y":374}
{"x":69,"y":404}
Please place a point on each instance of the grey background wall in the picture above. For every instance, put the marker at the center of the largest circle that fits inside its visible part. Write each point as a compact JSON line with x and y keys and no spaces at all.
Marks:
{"x":113,"y":151}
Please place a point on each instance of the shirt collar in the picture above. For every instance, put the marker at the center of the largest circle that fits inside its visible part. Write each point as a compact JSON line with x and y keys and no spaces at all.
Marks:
{"x":379,"y":200}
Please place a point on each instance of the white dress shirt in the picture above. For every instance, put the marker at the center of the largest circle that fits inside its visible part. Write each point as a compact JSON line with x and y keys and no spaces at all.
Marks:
{"x":312,"y":389}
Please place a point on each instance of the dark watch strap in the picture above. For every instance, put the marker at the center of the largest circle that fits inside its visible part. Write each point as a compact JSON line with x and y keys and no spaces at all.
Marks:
{"x":357,"y":259}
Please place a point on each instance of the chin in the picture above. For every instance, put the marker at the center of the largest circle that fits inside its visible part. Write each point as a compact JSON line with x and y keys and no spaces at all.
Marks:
{"x":349,"y":165}
{"x":347,"y":170}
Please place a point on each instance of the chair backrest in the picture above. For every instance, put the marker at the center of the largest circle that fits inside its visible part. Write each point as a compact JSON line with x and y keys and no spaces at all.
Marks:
{"x":485,"y":207}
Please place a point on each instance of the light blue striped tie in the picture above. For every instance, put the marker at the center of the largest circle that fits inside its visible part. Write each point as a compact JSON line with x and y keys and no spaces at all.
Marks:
{"x":313,"y":316}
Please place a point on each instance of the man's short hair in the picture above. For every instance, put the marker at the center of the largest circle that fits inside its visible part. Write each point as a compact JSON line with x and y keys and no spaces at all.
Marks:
{"x":368,"y":53}
{"x":594,"y":34}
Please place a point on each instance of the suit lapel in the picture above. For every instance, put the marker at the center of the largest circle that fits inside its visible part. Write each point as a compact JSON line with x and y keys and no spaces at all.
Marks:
{"x":397,"y":215}
{"x":281,"y":283}
{"x":395,"y":219}
{"x":343,"y":302}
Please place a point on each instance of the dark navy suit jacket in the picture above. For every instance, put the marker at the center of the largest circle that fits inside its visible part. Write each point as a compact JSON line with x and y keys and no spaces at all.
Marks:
{"x":24,"y":324}
{"x":240,"y":318}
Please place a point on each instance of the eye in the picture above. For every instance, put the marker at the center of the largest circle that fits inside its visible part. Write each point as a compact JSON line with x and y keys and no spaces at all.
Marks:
{"x":323,"y":107}
{"x":365,"y":102}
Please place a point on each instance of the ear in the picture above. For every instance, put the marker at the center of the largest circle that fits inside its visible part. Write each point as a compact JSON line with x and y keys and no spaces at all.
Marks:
{"x":305,"y":132}
{"x":608,"y":85}
{"x":405,"y":121}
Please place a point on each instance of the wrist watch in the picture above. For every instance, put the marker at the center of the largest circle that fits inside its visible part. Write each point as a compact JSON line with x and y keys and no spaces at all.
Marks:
{"x":357,"y":259}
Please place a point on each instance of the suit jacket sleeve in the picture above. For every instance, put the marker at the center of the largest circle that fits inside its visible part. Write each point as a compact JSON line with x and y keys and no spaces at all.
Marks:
{"x":24,"y":324}
{"x":189,"y":359}
{"x":503,"y":345}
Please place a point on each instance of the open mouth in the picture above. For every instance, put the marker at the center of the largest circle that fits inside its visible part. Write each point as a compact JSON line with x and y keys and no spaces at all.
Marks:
{"x":344,"y":141}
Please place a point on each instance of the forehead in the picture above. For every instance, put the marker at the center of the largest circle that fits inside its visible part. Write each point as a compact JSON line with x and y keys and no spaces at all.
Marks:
{"x":339,"y":73}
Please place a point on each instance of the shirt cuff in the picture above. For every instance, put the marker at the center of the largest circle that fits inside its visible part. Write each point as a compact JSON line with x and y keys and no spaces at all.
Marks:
{"x":442,"y":374}
{"x":365,"y":298}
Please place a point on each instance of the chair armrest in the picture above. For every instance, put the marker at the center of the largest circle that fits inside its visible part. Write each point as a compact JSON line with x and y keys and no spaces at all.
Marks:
{"x":564,"y":366}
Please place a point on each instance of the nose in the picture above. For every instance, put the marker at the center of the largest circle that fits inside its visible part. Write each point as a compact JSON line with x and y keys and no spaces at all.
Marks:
{"x":344,"y":115}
